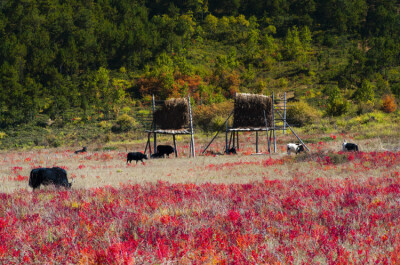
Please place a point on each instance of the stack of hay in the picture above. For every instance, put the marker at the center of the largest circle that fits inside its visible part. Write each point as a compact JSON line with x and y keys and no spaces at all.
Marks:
{"x":249,"y":111}
{"x":173,"y":114}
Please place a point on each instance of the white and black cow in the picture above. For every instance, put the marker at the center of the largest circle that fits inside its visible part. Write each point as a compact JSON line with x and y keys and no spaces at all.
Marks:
{"x":45,"y":176}
{"x":135,"y":156}
{"x":349,"y":146}
{"x":296,"y":148}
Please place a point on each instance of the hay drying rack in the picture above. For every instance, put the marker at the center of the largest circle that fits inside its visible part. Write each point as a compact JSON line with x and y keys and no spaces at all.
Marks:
{"x":164,"y":122}
{"x":258,"y":109}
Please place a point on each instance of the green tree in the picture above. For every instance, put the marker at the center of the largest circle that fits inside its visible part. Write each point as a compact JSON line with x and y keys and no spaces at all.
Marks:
{"x":365,"y":92}
{"x":336,"y":104}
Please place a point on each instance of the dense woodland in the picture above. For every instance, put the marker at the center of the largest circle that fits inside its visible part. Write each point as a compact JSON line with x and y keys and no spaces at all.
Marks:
{"x":98,"y":60}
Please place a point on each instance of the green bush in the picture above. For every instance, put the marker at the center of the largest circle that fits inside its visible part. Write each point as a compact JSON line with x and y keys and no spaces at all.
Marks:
{"x":124,"y":123}
{"x":42,"y":120}
{"x":300,"y":114}
{"x":365,"y":93}
{"x":207,"y":117}
{"x":217,"y":122}
{"x":53,"y":140}
{"x":336,"y":104}
{"x":365,"y":107}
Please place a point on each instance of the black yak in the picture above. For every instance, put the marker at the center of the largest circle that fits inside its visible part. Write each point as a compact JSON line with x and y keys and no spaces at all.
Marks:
{"x":83,"y":150}
{"x":165,"y":150}
{"x":232,"y":151}
{"x":135,"y":156}
{"x":156,"y":155}
{"x":45,"y":176}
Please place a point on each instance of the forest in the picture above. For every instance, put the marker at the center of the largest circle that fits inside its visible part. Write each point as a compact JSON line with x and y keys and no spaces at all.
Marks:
{"x":96,"y":61}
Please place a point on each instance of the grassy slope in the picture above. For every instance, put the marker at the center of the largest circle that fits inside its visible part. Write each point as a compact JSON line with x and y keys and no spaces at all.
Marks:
{"x":306,"y":80}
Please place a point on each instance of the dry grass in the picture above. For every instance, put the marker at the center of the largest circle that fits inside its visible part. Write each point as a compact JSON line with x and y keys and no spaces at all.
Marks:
{"x":95,"y":169}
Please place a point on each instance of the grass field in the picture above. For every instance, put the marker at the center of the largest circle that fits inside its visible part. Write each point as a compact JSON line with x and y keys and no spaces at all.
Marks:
{"x":321,"y":207}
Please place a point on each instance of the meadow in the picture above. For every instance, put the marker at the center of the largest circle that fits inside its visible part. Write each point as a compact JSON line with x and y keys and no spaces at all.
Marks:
{"x":321,"y":207}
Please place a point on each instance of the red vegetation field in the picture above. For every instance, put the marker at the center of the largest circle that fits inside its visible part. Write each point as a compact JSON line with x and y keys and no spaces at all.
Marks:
{"x":318,"y":208}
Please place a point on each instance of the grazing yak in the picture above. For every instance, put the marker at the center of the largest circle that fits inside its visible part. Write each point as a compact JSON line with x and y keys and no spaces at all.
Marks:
{"x":135,"y":156}
{"x":156,"y":155}
{"x":232,"y":151}
{"x":83,"y":150}
{"x":165,"y":150}
{"x":296,"y":148}
{"x":45,"y":176}
{"x":349,"y":146}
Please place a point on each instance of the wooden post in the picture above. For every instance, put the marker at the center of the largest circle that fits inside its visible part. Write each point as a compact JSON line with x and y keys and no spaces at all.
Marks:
{"x":234,"y":134}
{"x":268,"y":139}
{"x":226,"y":137}
{"x":284,"y":113}
{"x":154,"y":125}
{"x":191,"y":130}
{"x":230,"y":139}
{"x":148,"y":143}
{"x":256,"y":141}
{"x":237,"y":140}
{"x":176,"y":151}
{"x":273,"y":118}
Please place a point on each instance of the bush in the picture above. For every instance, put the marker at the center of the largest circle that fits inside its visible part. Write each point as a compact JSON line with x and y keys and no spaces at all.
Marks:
{"x":300,"y":113}
{"x":217,"y":122}
{"x":124,"y":123}
{"x":389,"y":103}
{"x":365,"y":93}
{"x":207,"y":117}
{"x":53,"y":141}
{"x":105,"y":125}
{"x":395,"y":88}
{"x":365,"y":107}
{"x":336,"y":104}
{"x":42,"y":120}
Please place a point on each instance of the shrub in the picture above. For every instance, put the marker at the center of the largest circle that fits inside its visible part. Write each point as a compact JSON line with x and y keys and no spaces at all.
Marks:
{"x":336,"y":103}
{"x":365,"y":107}
{"x":124,"y":123}
{"x":105,"y":125}
{"x":389,"y":103}
{"x":53,"y":140}
{"x":205,"y":116}
{"x":395,"y":88}
{"x":365,"y":92}
{"x":42,"y":120}
{"x":300,"y":113}
{"x":217,"y":122}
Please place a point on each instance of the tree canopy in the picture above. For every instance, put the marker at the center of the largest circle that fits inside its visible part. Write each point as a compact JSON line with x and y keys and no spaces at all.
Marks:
{"x":58,"y":56}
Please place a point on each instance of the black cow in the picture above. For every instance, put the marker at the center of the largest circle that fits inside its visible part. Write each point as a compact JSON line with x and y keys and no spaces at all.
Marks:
{"x":156,"y":155}
{"x":135,"y":156}
{"x":83,"y":150}
{"x":45,"y":176}
{"x":349,"y":146}
{"x":232,"y":151}
{"x":165,"y":150}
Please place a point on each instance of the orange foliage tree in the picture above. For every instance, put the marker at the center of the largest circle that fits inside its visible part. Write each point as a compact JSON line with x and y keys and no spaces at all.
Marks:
{"x":389,"y":103}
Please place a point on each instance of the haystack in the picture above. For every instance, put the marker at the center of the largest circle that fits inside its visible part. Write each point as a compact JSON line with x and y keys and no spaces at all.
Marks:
{"x":173,"y":114}
{"x":249,"y":111}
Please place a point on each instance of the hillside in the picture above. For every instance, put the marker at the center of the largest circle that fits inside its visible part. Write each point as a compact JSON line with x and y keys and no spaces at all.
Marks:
{"x":71,"y":67}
